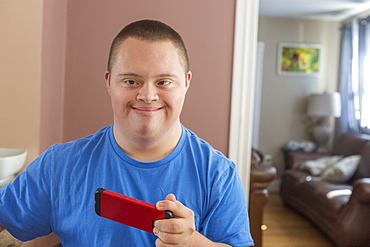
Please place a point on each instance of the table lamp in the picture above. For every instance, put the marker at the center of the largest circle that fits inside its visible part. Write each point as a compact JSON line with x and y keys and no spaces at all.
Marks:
{"x":320,"y":108}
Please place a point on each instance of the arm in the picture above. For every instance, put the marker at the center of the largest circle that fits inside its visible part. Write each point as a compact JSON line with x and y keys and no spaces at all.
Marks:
{"x":179,"y":231}
{"x":1,"y":228}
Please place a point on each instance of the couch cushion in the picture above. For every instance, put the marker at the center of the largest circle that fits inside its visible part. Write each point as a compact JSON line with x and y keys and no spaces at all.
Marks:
{"x":309,"y":195}
{"x":342,"y":170}
{"x":317,"y":166}
{"x":291,"y":180}
{"x":316,"y":197}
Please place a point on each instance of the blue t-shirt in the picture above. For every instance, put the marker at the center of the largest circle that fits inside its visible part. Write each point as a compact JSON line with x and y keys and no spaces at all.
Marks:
{"x":56,"y":193}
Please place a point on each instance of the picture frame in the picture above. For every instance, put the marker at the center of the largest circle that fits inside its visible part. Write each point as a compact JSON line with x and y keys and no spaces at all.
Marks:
{"x":299,"y":59}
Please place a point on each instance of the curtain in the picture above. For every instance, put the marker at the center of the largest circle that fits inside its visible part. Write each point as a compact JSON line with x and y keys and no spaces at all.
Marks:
{"x":355,"y":46}
{"x":347,"y":121}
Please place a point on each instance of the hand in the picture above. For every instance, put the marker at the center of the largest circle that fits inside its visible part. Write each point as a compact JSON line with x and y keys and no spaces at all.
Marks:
{"x":177,"y":231}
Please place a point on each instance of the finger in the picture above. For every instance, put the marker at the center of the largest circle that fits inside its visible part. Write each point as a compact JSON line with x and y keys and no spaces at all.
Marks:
{"x":173,"y":226}
{"x":168,"y":238}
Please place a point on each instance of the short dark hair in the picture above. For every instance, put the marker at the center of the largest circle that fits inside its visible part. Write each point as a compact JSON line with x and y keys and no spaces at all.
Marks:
{"x":150,"y":30}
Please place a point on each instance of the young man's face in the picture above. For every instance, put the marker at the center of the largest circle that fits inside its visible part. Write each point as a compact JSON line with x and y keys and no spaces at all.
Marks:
{"x":147,"y":86}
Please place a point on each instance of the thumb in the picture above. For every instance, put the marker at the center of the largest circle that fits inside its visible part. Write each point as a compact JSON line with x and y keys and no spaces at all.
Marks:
{"x":171,"y":197}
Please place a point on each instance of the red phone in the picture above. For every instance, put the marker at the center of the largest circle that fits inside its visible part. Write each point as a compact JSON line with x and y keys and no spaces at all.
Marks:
{"x":128,"y":210}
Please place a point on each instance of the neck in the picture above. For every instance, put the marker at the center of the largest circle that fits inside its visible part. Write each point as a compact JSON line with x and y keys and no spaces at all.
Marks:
{"x":146,"y":149}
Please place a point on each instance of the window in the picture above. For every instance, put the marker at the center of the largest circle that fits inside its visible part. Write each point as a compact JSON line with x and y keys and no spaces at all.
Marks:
{"x":365,"y":97}
{"x":355,"y":77}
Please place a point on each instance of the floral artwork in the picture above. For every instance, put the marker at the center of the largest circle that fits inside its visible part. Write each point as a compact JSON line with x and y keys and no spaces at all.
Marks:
{"x":298,"y":59}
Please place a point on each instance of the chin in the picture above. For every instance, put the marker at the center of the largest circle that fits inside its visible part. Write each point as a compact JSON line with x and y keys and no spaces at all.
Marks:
{"x":149,"y":130}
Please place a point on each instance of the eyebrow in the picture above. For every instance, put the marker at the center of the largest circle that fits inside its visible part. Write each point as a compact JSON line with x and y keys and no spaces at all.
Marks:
{"x":128,"y":74}
{"x":168,"y":75}
{"x":136,"y":75}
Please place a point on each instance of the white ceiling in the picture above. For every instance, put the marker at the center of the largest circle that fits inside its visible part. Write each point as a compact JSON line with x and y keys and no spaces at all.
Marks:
{"x":336,"y":10}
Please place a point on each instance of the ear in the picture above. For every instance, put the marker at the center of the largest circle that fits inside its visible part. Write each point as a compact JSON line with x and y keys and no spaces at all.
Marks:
{"x":107,"y":81}
{"x":189,"y":75}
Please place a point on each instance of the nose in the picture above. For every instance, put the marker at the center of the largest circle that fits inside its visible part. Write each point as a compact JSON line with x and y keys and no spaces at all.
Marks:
{"x":147,"y":93}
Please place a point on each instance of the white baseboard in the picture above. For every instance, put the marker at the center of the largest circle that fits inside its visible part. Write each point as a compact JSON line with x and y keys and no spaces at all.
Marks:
{"x":274,"y":186}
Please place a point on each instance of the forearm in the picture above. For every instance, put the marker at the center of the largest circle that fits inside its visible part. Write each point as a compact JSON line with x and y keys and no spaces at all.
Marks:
{"x":200,"y":240}
{"x":1,"y":228}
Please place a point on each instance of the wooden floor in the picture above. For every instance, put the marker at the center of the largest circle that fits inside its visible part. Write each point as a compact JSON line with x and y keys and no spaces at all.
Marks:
{"x":286,"y":228}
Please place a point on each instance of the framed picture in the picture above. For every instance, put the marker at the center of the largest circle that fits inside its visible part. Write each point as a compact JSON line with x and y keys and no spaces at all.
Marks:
{"x":298,"y":59}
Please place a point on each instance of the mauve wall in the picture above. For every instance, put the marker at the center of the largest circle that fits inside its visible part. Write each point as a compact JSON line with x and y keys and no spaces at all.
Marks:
{"x":207,"y":27}
{"x":53,"y":72}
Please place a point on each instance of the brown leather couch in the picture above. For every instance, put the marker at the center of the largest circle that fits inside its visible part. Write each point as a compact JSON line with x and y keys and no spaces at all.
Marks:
{"x":260,"y":179}
{"x":344,"y":218}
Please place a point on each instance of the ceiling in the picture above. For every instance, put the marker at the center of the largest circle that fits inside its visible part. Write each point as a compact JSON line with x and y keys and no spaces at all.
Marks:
{"x":335,"y":10}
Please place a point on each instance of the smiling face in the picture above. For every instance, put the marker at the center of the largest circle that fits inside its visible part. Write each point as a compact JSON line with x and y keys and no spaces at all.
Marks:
{"x":147,"y":86}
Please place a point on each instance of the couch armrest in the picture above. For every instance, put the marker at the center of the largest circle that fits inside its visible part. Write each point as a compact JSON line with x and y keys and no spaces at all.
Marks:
{"x":294,"y":158}
{"x":361,"y":190}
{"x":261,"y":177}
{"x":352,"y":225}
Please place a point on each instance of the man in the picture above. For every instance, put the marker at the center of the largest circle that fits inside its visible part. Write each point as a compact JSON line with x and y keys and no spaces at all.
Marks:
{"x":146,"y":154}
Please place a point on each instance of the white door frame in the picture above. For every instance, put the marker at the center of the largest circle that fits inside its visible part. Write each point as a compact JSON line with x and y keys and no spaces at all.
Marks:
{"x":245,"y":46}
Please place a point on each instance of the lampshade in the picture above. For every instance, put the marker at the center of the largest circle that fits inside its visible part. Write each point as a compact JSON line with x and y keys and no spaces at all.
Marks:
{"x":326,"y":104}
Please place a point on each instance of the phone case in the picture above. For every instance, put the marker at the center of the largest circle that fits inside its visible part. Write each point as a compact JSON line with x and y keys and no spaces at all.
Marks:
{"x":128,"y":210}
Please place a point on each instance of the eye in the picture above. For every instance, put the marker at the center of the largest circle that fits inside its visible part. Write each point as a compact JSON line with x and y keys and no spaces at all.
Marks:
{"x":164,"y":83}
{"x":130,"y":82}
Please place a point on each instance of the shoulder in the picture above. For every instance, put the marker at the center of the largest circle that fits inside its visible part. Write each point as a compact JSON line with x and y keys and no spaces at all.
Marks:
{"x":101,"y":137}
{"x":204,"y":152}
{"x":63,"y":155}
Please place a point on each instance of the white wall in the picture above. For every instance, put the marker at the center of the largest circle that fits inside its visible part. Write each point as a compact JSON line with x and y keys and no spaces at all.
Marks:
{"x":284,"y":98}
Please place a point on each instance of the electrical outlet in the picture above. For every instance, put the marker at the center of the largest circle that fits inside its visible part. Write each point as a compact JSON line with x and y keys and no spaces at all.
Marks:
{"x":267,"y":159}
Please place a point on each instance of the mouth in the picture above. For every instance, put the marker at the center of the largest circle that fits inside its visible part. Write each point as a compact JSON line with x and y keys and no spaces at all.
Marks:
{"x":147,"y":109}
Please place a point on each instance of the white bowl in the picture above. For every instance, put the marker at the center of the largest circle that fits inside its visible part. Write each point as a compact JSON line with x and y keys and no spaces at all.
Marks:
{"x":11,"y":162}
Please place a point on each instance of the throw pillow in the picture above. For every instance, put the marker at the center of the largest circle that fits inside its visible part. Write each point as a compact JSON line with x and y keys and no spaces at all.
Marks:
{"x":342,"y":170}
{"x":316,"y":167}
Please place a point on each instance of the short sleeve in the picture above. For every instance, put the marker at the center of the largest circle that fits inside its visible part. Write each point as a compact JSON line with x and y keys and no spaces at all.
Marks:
{"x":228,"y":213}
{"x":24,"y":203}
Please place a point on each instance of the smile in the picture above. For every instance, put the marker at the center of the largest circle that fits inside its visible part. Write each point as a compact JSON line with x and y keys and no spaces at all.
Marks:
{"x":147,"y":109}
